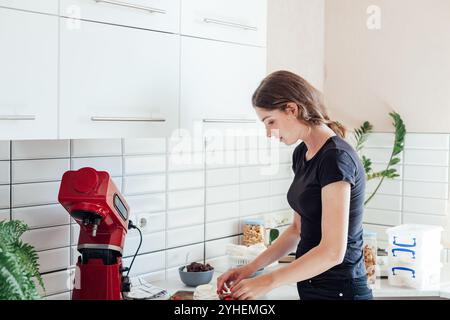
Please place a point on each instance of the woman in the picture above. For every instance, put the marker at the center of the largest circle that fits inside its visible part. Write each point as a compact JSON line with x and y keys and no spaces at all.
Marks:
{"x":327,"y":194}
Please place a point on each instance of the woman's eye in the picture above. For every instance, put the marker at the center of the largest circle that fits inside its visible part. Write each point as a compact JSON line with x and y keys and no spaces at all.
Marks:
{"x":270,"y":123}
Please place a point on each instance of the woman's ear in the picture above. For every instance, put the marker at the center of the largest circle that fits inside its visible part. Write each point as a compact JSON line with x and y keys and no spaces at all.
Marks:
{"x":292,"y":109}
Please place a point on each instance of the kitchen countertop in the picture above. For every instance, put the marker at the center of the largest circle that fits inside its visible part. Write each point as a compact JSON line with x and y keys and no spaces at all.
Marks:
{"x":381,"y":289}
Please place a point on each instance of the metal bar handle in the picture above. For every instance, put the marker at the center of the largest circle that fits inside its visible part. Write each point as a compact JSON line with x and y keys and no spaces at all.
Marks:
{"x":229,"y":121}
{"x":230,"y":24}
{"x":134,"y":6}
{"x":128,"y":119}
{"x":18,"y":117}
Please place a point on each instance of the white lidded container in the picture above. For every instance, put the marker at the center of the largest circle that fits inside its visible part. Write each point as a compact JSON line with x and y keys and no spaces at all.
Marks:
{"x":414,"y":254}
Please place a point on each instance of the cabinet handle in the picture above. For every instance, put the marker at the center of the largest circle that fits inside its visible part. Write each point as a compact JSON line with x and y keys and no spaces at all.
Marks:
{"x":230,"y":24}
{"x":24,"y":117}
{"x":128,"y":119}
{"x":229,"y":121}
{"x":134,"y":6}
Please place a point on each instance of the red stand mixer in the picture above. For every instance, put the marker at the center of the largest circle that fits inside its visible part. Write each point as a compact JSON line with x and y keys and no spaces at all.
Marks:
{"x":93,"y":200}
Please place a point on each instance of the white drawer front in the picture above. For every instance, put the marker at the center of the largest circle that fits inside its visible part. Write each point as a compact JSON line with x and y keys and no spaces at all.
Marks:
{"x":218,"y":80}
{"x":150,"y":14}
{"x":28,"y":77}
{"x":118,"y":82}
{"x":45,"y":6}
{"x":228,"y":20}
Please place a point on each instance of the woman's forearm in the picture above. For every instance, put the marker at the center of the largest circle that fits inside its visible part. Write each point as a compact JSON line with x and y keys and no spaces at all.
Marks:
{"x":312,"y":263}
{"x":287,"y":241}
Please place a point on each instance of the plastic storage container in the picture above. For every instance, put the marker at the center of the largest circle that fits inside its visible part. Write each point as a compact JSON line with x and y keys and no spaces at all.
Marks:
{"x":370,"y":255}
{"x":253,"y":232}
{"x":414,"y":254}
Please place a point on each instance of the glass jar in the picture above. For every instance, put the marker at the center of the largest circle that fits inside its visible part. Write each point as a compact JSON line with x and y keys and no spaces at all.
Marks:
{"x":253,"y":232}
{"x":370,"y":249}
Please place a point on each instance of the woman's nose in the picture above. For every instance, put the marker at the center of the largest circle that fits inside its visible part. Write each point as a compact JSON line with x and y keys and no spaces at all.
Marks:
{"x":268,"y":133}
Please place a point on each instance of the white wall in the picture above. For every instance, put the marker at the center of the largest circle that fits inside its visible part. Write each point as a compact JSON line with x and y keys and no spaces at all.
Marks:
{"x":404,"y":65}
{"x":295,"y":38}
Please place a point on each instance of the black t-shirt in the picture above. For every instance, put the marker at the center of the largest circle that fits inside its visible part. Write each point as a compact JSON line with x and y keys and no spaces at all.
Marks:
{"x":335,"y":161}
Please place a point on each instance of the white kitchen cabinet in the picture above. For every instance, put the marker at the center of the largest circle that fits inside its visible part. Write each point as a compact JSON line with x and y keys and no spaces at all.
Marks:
{"x":227,"y":20}
{"x":117,"y":82}
{"x":28,"y":75}
{"x":161,"y":15}
{"x":44,"y":6}
{"x":217,"y":82}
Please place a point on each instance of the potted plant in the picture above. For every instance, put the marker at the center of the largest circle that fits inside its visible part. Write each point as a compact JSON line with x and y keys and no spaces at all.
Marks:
{"x":18,"y":264}
{"x":360,"y":135}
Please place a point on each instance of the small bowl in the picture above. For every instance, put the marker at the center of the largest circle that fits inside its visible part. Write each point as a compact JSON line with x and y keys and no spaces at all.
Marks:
{"x":193,"y":279}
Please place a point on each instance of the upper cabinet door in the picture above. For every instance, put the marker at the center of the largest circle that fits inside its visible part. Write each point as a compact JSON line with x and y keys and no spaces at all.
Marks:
{"x":163,"y":15}
{"x":227,"y":20}
{"x":28,"y":75}
{"x":44,"y":6}
{"x":117,"y":81}
{"x":218,"y":80}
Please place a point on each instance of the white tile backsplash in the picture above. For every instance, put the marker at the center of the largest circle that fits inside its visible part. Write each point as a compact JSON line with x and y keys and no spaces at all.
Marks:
{"x":253,"y":206}
{"x":4,"y":172}
{"x":201,"y":205}
{"x":426,"y":189}
{"x":380,"y":155}
{"x":150,"y":242}
{"x":184,"y":236}
{"x":222,"y":211}
{"x":144,"y":184}
{"x":112,"y":165}
{"x":96,"y":148}
{"x":219,"y":177}
{"x":5,"y":197}
{"x":384,"y":217}
{"x":185,"y":217}
{"x":147,"y":203}
{"x":423,"y":205}
{"x":177,"y":257}
{"x":427,"y":157}
{"x":35,"y":194}
{"x":217,"y":248}
{"x":222,"y":194}
{"x":427,"y":141}
{"x":186,"y":180}
{"x":144,"y":146}
{"x":380,"y":201}
{"x":409,"y":217}
{"x":5,"y":153}
{"x":426,"y":173}
{"x":254,"y":190}
{"x":56,"y":282}
{"x":24,"y":171}
{"x":146,"y":263}
{"x":4,"y":215}
{"x":188,"y":198}
{"x":48,"y":238}
{"x":42,"y":216}
{"x":40,"y":149}
{"x":144,"y":164}
{"x":51,"y":260}
{"x":221,"y":229}
{"x":391,"y":187}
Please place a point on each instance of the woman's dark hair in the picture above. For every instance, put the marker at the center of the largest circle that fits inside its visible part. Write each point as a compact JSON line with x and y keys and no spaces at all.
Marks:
{"x":281,"y":87}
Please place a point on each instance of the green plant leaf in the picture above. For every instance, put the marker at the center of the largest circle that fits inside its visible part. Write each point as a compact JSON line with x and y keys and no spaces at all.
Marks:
{"x":273,"y":235}
{"x":18,"y":263}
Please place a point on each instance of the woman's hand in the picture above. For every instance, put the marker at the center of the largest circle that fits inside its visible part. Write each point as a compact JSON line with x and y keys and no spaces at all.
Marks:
{"x":250,"y":289}
{"x":233,"y":277}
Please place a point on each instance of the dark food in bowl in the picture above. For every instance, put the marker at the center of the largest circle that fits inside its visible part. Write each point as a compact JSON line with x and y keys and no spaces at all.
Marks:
{"x":198,"y":267}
